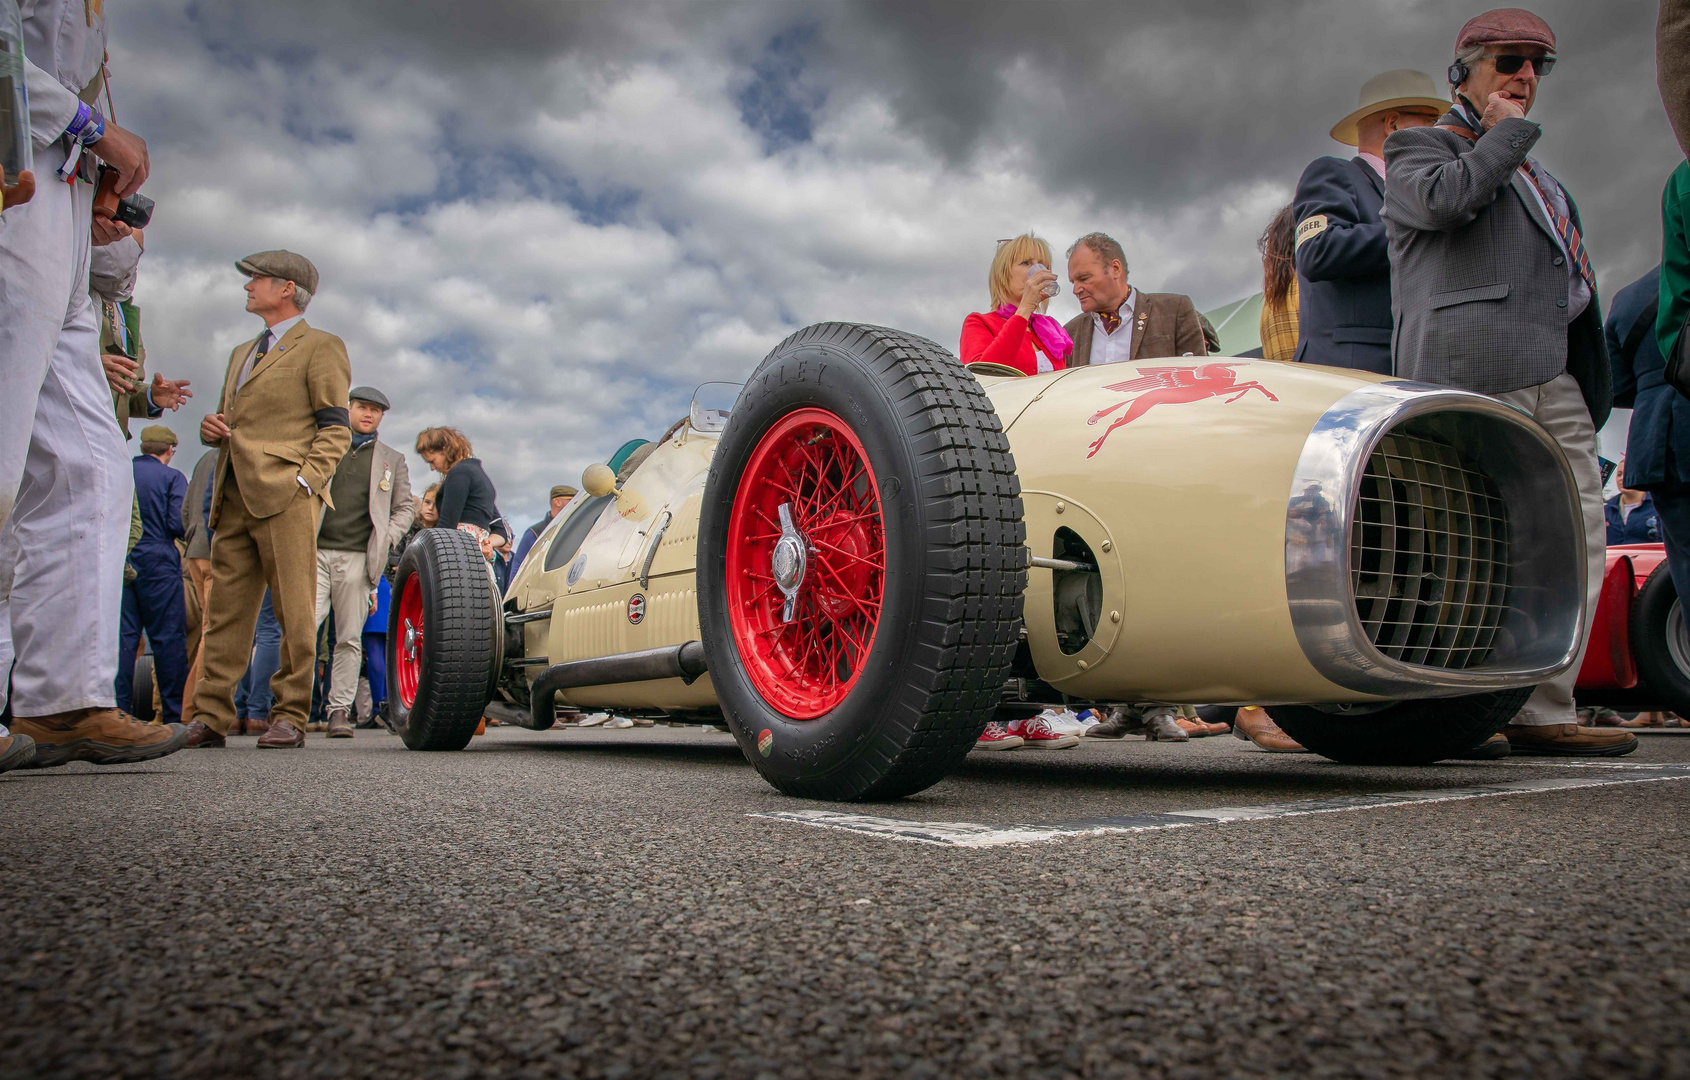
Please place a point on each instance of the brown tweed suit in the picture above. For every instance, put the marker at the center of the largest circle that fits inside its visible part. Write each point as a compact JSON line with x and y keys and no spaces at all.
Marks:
{"x":1164,"y":324}
{"x":287,"y":423}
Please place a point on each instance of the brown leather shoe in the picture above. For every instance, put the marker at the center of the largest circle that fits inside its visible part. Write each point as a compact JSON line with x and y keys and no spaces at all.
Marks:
{"x":1121,"y":723}
{"x":1199,"y":729}
{"x":1492,"y":748}
{"x":99,"y":736}
{"x":257,"y":725}
{"x":281,"y":736}
{"x":15,"y":751}
{"x":1569,"y":740}
{"x":1254,"y":724}
{"x":200,"y":736}
{"x":1163,"y":727}
{"x":340,"y":724}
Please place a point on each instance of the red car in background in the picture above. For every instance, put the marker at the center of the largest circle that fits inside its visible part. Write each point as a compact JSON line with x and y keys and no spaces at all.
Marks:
{"x":1639,"y":655}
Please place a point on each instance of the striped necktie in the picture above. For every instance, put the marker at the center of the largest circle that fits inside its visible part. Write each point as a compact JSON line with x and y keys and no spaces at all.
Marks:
{"x":1569,"y":232}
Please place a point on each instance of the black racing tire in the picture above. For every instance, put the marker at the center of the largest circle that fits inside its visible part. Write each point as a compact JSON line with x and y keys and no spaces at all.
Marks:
{"x":1406,"y":733}
{"x":954,"y":564}
{"x":141,"y":689}
{"x":438,"y":688}
{"x":1660,"y":643}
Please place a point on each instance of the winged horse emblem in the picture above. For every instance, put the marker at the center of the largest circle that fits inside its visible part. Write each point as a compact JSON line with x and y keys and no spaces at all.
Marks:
{"x":1173,"y":386}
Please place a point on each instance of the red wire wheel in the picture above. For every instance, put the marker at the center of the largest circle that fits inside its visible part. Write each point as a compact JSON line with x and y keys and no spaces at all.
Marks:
{"x":806,"y":563}
{"x":410,"y":644}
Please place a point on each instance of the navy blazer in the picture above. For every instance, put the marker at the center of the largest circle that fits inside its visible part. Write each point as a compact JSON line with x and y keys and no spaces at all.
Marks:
{"x":1657,"y":448}
{"x":159,"y":491}
{"x":1343,"y":267}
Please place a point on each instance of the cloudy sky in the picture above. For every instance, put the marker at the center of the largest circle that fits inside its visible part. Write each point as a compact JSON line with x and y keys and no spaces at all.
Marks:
{"x":546,"y":222}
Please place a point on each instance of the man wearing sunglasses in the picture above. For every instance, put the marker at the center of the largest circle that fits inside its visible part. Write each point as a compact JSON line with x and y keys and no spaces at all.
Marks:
{"x":1492,"y":291}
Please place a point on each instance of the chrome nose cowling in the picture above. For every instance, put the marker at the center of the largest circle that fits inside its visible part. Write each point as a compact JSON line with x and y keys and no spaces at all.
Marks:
{"x":1434,"y":545}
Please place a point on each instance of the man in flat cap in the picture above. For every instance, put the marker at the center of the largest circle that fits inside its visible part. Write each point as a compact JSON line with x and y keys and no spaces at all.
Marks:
{"x":1343,"y":260}
{"x":561,"y":494}
{"x":1492,"y":291}
{"x":281,"y":429}
{"x":370,"y":511}
{"x":154,"y":600}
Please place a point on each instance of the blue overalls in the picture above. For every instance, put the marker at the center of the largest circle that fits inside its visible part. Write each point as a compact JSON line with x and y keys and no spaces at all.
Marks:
{"x":154,"y":601}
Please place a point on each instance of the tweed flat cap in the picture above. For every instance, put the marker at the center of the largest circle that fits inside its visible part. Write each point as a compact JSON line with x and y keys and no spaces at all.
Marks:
{"x":158,"y":433}
{"x":563,"y":491}
{"x":371,"y":395}
{"x":1505,"y":26}
{"x":287,"y":265}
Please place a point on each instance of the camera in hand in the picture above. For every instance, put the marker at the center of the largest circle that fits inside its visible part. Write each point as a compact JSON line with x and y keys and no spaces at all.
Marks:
{"x":134,"y":211}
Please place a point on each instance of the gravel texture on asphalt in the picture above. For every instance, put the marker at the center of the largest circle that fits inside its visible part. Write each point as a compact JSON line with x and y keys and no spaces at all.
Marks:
{"x":601,"y":904}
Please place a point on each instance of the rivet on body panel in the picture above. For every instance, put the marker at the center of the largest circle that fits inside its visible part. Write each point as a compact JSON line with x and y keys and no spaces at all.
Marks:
{"x":1114,"y":616}
{"x":1084,"y":665}
{"x":1061,"y":507}
{"x":1107,"y":544}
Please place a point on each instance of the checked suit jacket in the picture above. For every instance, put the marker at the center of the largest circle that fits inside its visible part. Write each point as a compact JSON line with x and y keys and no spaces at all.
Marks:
{"x":1479,"y":286}
{"x":287,"y":422}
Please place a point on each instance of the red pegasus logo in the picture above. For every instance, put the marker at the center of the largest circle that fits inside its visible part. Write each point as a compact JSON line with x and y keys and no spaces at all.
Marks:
{"x":1173,"y":386}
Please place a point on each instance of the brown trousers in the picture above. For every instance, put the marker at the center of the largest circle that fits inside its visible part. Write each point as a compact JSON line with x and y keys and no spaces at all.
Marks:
{"x":250,"y":554}
{"x":200,"y":571}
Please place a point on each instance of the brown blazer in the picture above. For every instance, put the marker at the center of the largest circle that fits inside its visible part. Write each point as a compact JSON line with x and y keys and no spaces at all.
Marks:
{"x":287,"y":423}
{"x":1164,"y":324}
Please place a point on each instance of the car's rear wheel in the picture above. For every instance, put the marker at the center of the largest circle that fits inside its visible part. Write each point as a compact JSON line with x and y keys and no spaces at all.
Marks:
{"x":1660,"y":642}
{"x":861,"y":564}
{"x":141,"y":689}
{"x":442,"y":655}
{"x":1403,"y":732}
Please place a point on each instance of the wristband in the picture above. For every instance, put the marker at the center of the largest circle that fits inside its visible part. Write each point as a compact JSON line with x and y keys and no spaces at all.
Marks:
{"x":89,"y":127}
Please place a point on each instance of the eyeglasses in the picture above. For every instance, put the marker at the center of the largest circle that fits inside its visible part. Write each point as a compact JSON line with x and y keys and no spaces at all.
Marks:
{"x":1509,"y":64}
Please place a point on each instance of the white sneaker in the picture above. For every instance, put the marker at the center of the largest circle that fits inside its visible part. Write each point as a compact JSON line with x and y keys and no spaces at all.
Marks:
{"x":619,"y":722}
{"x":594,"y":720}
{"x":1063,"y":722}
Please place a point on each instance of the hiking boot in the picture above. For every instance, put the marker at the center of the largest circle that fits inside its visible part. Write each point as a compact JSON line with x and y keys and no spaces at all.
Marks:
{"x":99,"y":736}
{"x":340,"y":724}
{"x":15,"y":751}
{"x":997,"y":737}
{"x":1162,"y":726}
{"x":1255,"y":725}
{"x":1567,"y":740}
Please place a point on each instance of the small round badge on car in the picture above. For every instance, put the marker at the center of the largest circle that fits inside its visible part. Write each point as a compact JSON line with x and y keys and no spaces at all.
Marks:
{"x":636,"y":608}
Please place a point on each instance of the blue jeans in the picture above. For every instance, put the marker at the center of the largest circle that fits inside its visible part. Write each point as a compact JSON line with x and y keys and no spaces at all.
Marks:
{"x":253,"y":697}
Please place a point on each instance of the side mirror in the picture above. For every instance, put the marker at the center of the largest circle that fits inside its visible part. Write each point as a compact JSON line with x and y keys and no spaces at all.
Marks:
{"x":597,"y":480}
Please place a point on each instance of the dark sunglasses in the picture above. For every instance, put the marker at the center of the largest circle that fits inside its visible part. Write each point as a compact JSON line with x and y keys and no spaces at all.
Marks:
{"x":1509,"y":64}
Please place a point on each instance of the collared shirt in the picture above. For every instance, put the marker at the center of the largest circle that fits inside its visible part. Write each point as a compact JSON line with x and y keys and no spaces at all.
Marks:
{"x":1376,"y":161}
{"x":276,"y":333}
{"x":1107,"y":348}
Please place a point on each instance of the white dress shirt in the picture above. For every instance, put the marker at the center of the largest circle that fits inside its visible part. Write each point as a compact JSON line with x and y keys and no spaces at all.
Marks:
{"x":1107,"y":348}
{"x":276,"y":333}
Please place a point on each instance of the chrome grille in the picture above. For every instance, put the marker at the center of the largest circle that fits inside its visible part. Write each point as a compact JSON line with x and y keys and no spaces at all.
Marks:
{"x":1429,"y":555}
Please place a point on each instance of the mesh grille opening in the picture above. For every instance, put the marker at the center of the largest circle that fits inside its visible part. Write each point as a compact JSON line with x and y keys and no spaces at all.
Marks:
{"x":1429,"y":555}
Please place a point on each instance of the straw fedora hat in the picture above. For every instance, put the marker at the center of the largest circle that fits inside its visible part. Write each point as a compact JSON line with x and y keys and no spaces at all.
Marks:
{"x":1403,"y":88}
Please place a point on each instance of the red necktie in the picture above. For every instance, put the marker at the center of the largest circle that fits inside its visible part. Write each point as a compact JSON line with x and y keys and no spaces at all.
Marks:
{"x":1111,"y":320}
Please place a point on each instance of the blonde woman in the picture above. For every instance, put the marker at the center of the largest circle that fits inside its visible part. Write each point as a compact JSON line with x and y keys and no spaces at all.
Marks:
{"x":1016,"y":332}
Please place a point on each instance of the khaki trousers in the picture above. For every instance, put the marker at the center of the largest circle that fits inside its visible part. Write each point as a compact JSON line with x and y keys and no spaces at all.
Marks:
{"x":1559,"y":406}
{"x":343,"y":586}
{"x":250,"y":554}
{"x":200,"y":571}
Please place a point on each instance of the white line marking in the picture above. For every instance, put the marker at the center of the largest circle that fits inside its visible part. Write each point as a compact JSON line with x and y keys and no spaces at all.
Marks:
{"x":970,"y":834}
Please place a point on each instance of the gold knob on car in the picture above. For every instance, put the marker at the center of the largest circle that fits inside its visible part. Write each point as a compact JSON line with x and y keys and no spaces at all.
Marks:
{"x":597,"y":480}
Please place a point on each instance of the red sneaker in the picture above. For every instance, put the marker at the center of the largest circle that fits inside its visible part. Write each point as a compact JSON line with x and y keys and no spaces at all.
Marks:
{"x":997,"y":737}
{"x":1036,"y":731}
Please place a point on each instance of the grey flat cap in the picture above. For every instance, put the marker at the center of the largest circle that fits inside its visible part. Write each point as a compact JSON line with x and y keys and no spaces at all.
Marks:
{"x":287,"y":265}
{"x":371,"y":395}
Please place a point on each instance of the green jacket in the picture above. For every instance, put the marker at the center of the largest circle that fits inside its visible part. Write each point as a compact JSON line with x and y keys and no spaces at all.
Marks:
{"x":1675,"y":259}
{"x":126,"y":314}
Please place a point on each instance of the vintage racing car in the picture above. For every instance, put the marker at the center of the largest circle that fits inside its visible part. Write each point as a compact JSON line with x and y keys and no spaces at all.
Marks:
{"x":878,"y":550}
{"x":1639,"y":652}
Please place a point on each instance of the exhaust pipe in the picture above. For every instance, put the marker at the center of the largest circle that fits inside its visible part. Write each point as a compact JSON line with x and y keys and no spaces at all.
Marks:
{"x":672,"y":662}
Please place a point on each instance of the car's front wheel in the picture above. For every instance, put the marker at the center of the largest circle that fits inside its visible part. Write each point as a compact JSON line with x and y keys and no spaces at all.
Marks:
{"x":861,"y":564}
{"x":1402,"y":732}
{"x":1660,"y":642}
{"x":442,"y":633}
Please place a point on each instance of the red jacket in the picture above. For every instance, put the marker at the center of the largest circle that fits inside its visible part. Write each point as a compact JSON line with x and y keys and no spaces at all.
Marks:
{"x":993,"y":338}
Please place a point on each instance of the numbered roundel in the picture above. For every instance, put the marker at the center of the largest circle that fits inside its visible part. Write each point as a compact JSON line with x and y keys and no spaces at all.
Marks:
{"x":636,"y":608}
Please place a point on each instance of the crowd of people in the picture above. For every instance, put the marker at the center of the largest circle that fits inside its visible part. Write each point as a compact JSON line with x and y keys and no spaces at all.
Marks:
{"x":1441,"y":251}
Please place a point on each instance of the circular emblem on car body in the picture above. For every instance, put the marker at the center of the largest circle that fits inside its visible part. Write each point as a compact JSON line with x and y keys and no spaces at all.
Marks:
{"x":636,"y":608}
{"x":575,"y":569}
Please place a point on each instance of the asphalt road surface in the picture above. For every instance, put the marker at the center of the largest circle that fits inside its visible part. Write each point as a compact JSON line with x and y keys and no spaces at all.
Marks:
{"x":615,"y":904}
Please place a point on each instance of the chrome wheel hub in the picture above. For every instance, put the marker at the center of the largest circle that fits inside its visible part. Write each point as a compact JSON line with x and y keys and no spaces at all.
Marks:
{"x":788,"y":562}
{"x":412,"y":635}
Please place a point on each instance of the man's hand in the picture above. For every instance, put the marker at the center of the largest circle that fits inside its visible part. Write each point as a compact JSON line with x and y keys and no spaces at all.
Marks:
{"x":120,"y":372}
{"x":1499,"y":107}
{"x":169,"y":393}
{"x":20,"y":191}
{"x":214,"y":429}
{"x":106,"y":231}
{"x":126,"y":152}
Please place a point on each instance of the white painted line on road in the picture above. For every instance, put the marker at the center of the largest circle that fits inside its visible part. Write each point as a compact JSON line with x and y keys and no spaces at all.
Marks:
{"x":970,"y":834}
